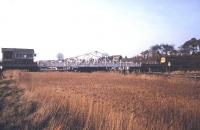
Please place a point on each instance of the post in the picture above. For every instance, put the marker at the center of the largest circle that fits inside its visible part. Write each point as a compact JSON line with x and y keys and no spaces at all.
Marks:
{"x":1,"y":73}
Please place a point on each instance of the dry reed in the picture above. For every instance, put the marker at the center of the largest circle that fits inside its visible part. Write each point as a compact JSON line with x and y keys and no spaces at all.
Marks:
{"x":109,"y":101}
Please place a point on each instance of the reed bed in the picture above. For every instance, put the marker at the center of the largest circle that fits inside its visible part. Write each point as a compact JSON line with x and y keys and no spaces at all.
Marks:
{"x":109,"y":101}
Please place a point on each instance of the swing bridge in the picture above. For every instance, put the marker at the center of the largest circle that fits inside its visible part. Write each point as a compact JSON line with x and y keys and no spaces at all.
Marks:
{"x":92,"y":61}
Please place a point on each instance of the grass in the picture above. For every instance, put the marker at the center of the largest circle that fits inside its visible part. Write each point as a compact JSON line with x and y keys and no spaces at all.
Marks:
{"x":104,"y":101}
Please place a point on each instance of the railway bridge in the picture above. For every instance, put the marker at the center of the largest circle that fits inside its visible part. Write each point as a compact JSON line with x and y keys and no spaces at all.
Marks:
{"x":94,"y":61}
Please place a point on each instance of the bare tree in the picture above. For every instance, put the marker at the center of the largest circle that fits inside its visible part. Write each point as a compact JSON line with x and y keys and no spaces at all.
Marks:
{"x":60,"y":56}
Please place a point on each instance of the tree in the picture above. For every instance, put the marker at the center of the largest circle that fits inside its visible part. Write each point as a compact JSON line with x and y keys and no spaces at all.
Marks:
{"x":164,"y":49}
{"x":60,"y":56}
{"x":145,"y":54}
{"x":198,"y":45}
{"x":167,"y":49}
{"x":191,"y":46}
{"x":156,"y":49}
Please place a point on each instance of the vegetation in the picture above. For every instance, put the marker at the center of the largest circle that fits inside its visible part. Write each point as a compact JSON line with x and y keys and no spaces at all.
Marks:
{"x":60,"y":57}
{"x":190,"y":47}
{"x":99,"y":101}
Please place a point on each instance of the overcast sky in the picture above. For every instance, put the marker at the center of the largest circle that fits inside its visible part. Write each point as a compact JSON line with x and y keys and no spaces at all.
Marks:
{"x":74,"y":27}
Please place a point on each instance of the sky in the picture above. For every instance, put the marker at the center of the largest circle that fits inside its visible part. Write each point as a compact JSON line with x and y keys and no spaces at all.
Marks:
{"x":75,"y":27}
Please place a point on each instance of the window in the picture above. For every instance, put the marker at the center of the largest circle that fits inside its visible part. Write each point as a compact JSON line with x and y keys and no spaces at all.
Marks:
{"x":17,"y":55}
{"x":7,"y":55}
{"x":20,"y":55}
{"x":24,"y":55}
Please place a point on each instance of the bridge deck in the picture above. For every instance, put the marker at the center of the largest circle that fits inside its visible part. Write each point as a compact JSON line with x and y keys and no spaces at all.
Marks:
{"x":91,"y":65}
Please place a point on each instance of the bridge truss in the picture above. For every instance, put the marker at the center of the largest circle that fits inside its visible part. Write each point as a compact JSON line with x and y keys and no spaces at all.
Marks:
{"x":94,"y":60}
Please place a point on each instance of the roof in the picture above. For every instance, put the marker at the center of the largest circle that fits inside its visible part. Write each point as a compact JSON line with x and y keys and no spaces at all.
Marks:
{"x":17,"y":49}
{"x":116,"y":55}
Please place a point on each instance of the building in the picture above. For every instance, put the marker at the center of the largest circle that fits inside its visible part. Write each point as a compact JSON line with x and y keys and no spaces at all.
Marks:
{"x":15,"y":58}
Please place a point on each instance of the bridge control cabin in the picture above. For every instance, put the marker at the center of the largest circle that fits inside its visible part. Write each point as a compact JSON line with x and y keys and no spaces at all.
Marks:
{"x":15,"y":58}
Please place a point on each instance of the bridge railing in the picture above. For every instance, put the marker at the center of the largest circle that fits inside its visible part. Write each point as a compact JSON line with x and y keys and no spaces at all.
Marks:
{"x":88,"y":64}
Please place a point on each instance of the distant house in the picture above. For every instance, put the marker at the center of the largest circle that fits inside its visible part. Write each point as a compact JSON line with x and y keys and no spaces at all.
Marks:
{"x":116,"y":58}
